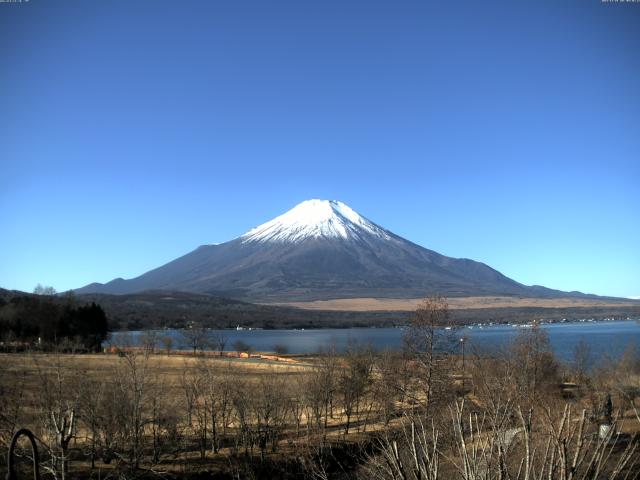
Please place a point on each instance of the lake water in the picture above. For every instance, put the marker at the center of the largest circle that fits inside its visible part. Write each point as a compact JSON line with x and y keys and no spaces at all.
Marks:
{"x":605,"y":338}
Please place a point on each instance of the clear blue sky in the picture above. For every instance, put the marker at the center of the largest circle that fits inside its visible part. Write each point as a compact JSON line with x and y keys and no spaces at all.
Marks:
{"x":134,"y":131}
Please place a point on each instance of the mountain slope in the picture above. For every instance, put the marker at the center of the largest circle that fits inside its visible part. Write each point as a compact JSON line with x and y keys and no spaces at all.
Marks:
{"x":320,"y":250}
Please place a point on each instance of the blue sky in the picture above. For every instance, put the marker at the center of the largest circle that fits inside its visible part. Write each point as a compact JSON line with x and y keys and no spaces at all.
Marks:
{"x":134,"y":131}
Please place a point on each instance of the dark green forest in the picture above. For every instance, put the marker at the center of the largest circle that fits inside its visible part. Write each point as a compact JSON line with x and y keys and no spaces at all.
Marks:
{"x":46,"y":321}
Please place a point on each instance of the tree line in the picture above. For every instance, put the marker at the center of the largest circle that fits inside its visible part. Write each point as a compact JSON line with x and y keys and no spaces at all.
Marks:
{"x":45,"y":321}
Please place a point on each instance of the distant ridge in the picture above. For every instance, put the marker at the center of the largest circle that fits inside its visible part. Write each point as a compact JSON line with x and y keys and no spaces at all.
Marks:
{"x":173,"y":309}
{"x":322,"y":249}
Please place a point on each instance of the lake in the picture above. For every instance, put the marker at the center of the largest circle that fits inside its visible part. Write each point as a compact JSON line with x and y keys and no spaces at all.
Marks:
{"x":605,"y":338}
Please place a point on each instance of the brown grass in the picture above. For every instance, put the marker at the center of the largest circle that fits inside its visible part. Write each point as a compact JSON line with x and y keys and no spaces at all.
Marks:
{"x":455,"y":303}
{"x":170,"y":368}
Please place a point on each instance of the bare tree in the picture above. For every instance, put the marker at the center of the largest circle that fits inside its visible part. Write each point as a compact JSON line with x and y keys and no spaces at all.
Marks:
{"x":623,"y":377}
{"x":149,"y":340}
{"x":219,"y":341}
{"x":322,"y":387}
{"x":494,"y":380}
{"x":58,"y":405}
{"x":241,"y":398}
{"x":426,"y":341}
{"x":389,"y":382}
{"x":133,"y":382}
{"x":92,"y":392}
{"x":167,"y":343}
{"x":214,"y":390}
{"x":412,"y":454}
{"x":297,"y":404}
{"x":270,"y":408}
{"x":214,"y":400}
{"x":534,"y":361}
{"x":201,"y":409}
{"x":44,"y":290}
{"x":225,"y":385}
{"x":552,"y":446}
{"x":196,"y":337}
{"x":582,"y":360}
{"x":163,"y":424}
{"x":12,"y":404}
{"x":354,"y":380}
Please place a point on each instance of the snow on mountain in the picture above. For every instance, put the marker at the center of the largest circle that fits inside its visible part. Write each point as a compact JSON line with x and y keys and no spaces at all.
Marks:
{"x":315,"y":219}
{"x":321,"y":250}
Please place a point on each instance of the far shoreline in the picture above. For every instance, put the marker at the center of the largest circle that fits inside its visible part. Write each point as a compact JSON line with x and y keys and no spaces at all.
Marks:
{"x":398,"y":326}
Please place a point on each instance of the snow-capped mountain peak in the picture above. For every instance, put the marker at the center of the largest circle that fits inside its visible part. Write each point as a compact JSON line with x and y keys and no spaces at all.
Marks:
{"x":321,"y":250}
{"x":315,"y":219}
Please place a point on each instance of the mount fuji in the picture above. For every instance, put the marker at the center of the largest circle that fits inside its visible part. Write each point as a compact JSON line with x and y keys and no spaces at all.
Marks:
{"x":321,"y":250}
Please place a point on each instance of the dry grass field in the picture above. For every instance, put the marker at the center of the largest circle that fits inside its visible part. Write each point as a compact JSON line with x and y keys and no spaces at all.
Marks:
{"x":455,"y":303}
{"x":169,"y":367}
